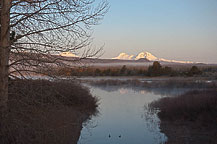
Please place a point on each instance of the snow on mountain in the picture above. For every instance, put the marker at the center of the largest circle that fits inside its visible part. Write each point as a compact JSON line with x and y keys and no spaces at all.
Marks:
{"x":68,"y":54}
{"x":124,"y":56}
{"x":142,"y":55}
{"x":148,"y":56}
{"x":175,"y":61}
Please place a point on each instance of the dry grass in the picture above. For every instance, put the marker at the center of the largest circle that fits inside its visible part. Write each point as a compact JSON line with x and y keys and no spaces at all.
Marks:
{"x":46,"y":112}
{"x":44,"y":92}
{"x":197,"y":106}
{"x":189,"y":118}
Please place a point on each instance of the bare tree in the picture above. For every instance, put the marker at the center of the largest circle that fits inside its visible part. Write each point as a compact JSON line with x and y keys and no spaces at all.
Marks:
{"x":33,"y":32}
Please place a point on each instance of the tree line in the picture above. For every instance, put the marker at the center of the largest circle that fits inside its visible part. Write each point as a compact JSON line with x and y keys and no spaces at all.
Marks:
{"x":156,"y":69}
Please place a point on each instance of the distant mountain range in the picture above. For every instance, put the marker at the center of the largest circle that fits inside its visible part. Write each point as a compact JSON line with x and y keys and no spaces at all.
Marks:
{"x":146,"y":56}
{"x":124,"y":57}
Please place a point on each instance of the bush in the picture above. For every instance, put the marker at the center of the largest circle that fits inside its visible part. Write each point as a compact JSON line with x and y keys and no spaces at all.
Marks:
{"x":198,"y":106}
{"x":41,"y":111}
{"x":194,"y":71}
{"x":42,"y":92}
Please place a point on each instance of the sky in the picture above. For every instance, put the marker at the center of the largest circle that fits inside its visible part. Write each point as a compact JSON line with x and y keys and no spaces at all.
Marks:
{"x":170,"y":29}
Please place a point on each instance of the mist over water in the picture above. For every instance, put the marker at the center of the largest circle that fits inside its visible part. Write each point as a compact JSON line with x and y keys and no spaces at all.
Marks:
{"x":122,"y":118}
{"x":124,"y":115}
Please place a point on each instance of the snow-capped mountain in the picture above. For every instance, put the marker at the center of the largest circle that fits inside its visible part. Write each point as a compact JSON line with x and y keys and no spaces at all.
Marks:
{"x":124,"y":56}
{"x":146,"y":55}
{"x":142,"y":57}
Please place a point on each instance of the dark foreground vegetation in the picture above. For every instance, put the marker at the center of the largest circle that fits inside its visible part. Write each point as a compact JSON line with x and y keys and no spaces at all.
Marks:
{"x":48,"y":112}
{"x":151,"y":71}
{"x":189,"y":118}
{"x":195,"y":106}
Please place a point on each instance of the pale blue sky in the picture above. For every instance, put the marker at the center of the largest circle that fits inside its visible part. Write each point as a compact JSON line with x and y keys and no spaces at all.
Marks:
{"x":171,"y":29}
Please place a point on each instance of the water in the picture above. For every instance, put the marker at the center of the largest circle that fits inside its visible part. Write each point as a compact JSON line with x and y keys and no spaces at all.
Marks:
{"x":122,"y":118}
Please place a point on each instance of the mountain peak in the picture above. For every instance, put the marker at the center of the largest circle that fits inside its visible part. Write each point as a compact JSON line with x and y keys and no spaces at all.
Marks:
{"x":142,"y":55}
{"x":124,"y":56}
{"x":148,"y":56}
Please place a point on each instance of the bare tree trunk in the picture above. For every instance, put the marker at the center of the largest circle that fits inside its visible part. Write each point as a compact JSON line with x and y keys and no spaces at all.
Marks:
{"x":4,"y":54}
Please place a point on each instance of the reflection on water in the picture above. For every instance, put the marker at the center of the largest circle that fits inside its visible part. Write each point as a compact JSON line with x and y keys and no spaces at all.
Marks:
{"x":143,"y":90}
{"x":121,"y":118}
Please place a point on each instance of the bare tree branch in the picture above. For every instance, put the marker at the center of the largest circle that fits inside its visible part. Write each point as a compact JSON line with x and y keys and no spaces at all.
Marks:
{"x":45,"y":28}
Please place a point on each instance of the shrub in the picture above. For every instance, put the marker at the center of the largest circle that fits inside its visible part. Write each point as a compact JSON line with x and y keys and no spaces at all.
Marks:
{"x":42,"y":92}
{"x":198,"y":106}
{"x":194,"y":71}
{"x":41,"y":111}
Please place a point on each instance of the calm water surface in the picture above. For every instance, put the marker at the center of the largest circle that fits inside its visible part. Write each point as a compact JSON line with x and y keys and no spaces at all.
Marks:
{"x":122,"y":118}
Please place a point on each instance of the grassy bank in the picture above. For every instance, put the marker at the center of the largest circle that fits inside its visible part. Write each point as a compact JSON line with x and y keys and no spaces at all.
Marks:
{"x":189,"y":118}
{"x":41,"y":111}
{"x":198,"y":106}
